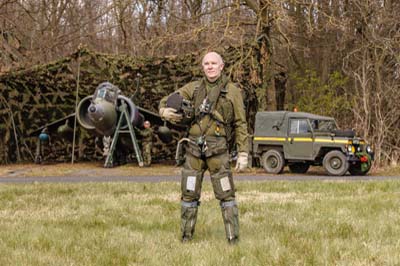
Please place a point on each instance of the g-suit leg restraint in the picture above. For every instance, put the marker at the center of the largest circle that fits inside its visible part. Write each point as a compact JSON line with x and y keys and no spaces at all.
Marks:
{"x":230,"y":215}
{"x":188,"y":219}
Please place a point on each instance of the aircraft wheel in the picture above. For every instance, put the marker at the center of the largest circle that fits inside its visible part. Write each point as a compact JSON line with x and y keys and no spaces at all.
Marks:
{"x":335,"y":163}
{"x":273,"y":161}
{"x":38,"y":159}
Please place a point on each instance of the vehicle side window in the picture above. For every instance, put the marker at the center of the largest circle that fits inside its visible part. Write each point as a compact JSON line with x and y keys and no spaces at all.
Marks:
{"x":299,"y":126}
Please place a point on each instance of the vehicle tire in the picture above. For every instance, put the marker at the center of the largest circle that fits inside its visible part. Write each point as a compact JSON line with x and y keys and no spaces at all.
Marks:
{"x":335,"y":163}
{"x":356,"y":169}
{"x":273,"y":161}
{"x":299,"y":168}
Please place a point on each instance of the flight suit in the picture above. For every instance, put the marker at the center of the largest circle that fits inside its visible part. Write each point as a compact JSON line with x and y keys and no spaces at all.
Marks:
{"x":219,"y":121}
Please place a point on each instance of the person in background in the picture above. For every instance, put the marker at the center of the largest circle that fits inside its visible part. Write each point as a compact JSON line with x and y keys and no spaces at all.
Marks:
{"x":147,"y":142}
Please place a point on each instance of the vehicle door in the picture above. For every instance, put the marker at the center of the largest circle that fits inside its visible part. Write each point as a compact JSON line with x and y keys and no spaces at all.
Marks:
{"x":300,"y":139}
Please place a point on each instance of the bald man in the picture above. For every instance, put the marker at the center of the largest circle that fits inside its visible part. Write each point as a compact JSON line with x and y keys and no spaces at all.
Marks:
{"x":219,"y":121}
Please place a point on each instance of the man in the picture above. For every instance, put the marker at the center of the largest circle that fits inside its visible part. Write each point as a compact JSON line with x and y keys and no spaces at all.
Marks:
{"x":218,"y":116}
{"x":147,"y":142}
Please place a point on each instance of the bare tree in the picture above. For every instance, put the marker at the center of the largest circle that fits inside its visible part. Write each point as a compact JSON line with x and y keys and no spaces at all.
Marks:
{"x":357,"y":40}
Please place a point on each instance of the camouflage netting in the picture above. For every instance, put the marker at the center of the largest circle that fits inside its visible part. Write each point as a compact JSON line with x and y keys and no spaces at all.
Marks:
{"x":32,"y":97}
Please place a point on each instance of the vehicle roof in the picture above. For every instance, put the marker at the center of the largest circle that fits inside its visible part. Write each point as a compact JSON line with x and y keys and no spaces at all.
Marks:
{"x":281,"y":114}
{"x":273,"y":123}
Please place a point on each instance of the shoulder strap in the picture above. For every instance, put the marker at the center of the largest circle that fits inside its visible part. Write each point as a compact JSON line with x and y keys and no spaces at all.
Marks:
{"x":199,"y":95}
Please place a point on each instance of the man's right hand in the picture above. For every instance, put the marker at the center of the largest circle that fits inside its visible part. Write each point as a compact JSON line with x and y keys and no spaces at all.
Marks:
{"x":170,"y":115}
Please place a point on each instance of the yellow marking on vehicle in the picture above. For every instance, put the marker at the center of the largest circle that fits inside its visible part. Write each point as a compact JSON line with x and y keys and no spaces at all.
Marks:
{"x":331,"y":141}
{"x":324,"y":140}
{"x":269,"y":139}
{"x":302,"y":139}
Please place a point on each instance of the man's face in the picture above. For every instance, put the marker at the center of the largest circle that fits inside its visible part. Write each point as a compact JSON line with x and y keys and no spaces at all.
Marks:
{"x":212,"y":66}
{"x":146,"y":124}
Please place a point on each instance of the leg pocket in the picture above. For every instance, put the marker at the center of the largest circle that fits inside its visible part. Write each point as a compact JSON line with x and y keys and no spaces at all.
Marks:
{"x":191,"y":185}
{"x":223,"y":186}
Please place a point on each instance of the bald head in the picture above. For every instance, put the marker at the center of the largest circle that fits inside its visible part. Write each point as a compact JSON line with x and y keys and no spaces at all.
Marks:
{"x":214,"y":55}
{"x":212,"y":66}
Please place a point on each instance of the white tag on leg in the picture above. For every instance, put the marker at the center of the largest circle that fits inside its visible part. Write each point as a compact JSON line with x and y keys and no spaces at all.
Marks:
{"x":191,"y":183}
{"x":225,"y":185}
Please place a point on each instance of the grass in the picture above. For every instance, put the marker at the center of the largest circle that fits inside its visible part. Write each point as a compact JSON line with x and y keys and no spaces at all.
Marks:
{"x":282,"y":223}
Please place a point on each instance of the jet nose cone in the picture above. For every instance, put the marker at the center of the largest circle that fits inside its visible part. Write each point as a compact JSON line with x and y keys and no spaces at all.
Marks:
{"x":92,"y":108}
{"x":95,"y":112}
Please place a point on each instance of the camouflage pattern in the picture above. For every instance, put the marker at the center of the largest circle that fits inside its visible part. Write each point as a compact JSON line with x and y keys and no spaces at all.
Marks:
{"x":32,"y":97}
{"x":147,"y":144}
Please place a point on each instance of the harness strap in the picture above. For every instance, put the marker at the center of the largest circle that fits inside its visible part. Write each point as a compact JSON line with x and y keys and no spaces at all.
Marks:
{"x":200,"y":94}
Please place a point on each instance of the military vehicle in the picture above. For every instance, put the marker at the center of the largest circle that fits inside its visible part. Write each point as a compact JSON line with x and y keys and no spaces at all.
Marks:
{"x":299,"y":140}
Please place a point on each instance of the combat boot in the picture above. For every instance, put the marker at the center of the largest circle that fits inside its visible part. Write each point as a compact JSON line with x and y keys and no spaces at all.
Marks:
{"x":188,"y":219}
{"x":230,"y":214}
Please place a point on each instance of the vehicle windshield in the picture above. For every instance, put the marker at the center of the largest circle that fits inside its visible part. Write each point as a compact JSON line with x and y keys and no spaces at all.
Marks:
{"x":320,"y":125}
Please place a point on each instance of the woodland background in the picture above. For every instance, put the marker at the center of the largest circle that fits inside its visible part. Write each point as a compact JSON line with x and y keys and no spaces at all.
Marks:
{"x":338,"y":58}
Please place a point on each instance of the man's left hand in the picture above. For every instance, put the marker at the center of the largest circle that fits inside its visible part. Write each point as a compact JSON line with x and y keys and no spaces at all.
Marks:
{"x":242,"y":161}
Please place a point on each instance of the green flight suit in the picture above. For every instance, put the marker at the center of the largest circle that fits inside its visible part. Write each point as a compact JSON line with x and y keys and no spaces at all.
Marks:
{"x":226,"y":119}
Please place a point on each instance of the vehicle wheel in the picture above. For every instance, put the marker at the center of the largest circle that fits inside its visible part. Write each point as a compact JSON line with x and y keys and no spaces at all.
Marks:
{"x":356,"y":169}
{"x":299,"y":168}
{"x":273,"y":161}
{"x":335,"y":163}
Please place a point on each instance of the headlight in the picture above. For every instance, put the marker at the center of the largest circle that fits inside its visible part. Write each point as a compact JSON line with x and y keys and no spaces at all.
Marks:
{"x":350,"y":149}
{"x":368,"y":149}
{"x":358,"y":149}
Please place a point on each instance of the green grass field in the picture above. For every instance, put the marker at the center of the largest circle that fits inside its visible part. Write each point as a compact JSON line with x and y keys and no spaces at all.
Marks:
{"x":282,"y":223}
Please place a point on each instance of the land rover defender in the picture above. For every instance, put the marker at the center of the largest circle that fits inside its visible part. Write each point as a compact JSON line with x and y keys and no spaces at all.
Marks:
{"x":299,"y":140}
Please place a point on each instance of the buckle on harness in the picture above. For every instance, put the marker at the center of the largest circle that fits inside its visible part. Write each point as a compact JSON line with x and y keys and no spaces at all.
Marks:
{"x":201,"y":141}
{"x":205,"y":107}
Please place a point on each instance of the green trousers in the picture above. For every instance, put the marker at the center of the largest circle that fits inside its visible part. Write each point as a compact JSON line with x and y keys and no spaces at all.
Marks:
{"x":224,"y":190}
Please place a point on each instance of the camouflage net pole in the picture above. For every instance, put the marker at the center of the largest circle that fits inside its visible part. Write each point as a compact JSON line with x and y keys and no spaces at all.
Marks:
{"x":13,"y":127}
